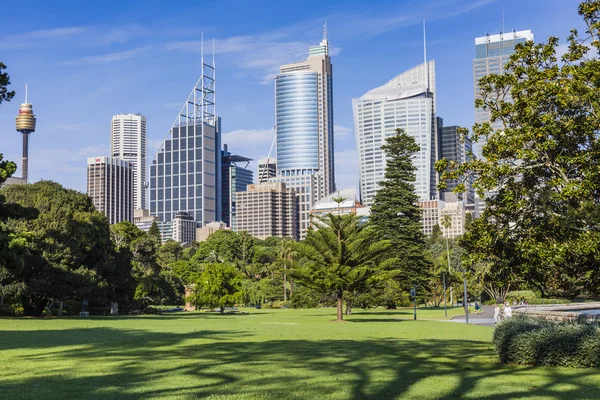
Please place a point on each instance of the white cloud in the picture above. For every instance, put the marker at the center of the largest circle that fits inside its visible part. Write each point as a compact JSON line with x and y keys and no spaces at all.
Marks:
{"x":342,"y":132}
{"x":109,"y":57}
{"x":29,"y":39}
{"x":249,"y":138}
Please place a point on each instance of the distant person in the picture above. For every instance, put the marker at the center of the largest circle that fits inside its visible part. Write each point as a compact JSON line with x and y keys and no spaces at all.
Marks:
{"x":507,"y":311}
{"x":496,"y":314}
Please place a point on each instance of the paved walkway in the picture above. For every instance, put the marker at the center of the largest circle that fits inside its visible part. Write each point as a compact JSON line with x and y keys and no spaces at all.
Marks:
{"x":484,"y":318}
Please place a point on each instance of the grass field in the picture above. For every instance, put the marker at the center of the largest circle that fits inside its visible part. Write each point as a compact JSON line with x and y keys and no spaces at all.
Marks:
{"x":269,"y":354}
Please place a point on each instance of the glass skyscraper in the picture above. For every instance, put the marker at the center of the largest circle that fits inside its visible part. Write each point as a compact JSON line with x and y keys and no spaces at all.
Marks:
{"x":407,"y":102}
{"x":185,"y":174}
{"x":491,"y":54}
{"x":304,"y":115}
{"x":235,"y":177}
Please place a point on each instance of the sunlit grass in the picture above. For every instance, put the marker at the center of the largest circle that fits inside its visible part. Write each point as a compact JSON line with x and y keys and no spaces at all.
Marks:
{"x":269,"y":354}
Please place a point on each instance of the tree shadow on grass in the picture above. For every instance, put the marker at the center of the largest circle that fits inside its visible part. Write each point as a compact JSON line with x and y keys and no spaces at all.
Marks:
{"x":106,"y":363}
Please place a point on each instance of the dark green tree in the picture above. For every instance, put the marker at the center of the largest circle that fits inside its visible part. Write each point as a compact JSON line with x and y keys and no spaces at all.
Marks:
{"x":70,"y":256}
{"x":396,"y":215}
{"x":154,"y":232}
{"x":339,"y":257}
{"x":541,"y":225}
{"x":5,"y":94}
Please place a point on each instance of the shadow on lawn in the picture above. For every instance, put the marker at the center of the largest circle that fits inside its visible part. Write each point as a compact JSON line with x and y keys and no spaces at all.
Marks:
{"x":142,"y":364}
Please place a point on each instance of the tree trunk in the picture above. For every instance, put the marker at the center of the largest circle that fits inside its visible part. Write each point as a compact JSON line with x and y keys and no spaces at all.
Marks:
{"x":284,"y":287}
{"x":222,"y":309}
{"x":33,"y":307}
{"x":1,"y":300}
{"x":348,"y":308}
{"x":340,"y":304}
{"x":60,"y":309}
{"x":291,"y":287}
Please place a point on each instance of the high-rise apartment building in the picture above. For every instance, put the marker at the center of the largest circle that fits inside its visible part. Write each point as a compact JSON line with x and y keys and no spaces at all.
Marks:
{"x":267,"y":169}
{"x":235,"y":177}
{"x":128,"y":142}
{"x":408,"y":102}
{"x":110,"y":185}
{"x":304,"y":115}
{"x":268,"y":209}
{"x":185,"y":174}
{"x":454,"y":148}
{"x":492,"y":52}
{"x":184,"y":228}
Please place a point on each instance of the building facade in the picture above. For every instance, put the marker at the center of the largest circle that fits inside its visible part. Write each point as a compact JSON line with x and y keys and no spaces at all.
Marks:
{"x":185,"y":174}
{"x":128,"y":142}
{"x":349,"y":204}
{"x":492,"y":52}
{"x":454,"y":148}
{"x":268,"y":209}
{"x":110,"y":185}
{"x":304,"y":115}
{"x":235,"y":177}
{"x":184,"y":228}
{"x":407,"y":102}
{"x":267,"y":169}
{"x":203,"y":233}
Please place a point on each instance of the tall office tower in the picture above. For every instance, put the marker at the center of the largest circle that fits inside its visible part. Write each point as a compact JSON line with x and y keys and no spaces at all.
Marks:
{"x":453,"y":148}
{"x":268,"y":209}
{"x":110,"y":185}
{"x":491,"y":54}
{"x":235,"y":177}
{"x":406,"y":102}
{"x":128,"y":142}
{"x":184,"y":228}
{"x":185,"y":174}
{"x":304,"y":115}
{"x":267,"y":169}
{"x":25,"y":124}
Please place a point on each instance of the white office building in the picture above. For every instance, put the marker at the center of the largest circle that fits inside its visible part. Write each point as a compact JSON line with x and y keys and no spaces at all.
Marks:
{"x":128,"y":142}
{"x":407,"y":102}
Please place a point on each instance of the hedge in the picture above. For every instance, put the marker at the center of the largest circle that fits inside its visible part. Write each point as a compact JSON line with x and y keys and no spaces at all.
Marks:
{"x":529,"y":341}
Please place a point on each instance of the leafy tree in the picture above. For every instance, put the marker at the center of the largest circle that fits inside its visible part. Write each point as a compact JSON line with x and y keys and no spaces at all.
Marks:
{"x":219,"y":286}
{"x":70,"y":255}
{"x":339,"y":256}
{"x":224,"y":244}
{"x":396,"y":214}
{"x":541,"y":226}
{"x":154,"y":232}
{"x":5,"y":95}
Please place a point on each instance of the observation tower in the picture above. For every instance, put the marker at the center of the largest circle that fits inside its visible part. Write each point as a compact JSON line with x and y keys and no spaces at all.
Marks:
{"x":25,"y":125}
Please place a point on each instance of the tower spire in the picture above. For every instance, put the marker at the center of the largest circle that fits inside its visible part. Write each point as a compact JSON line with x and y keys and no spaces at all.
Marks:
{"x":425,"y":55}
{"x":26,"y":90}
{"x":325,"y":30}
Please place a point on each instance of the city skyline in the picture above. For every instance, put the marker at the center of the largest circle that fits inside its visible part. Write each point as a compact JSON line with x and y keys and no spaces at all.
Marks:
{"x":110,"y":51}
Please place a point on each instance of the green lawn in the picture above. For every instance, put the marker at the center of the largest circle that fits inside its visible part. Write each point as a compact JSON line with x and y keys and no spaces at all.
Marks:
{"x":269,"y":354}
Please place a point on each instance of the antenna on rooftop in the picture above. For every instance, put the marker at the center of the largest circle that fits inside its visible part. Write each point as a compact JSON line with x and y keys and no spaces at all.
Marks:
{"x":325,"y":30}
{"x":425,"y":55}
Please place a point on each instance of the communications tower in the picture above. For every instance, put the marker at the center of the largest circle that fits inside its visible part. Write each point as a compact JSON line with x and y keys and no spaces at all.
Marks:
{"x":25,"y":125}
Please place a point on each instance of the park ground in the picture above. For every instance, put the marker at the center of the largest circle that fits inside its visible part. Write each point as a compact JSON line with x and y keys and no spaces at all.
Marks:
{"x":270,"y":354}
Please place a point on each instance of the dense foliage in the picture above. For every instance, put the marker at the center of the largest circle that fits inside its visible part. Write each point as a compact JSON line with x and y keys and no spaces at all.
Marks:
{"x":541,"y":169}
{"x":5,"y":94}
{"x":529,"y":341}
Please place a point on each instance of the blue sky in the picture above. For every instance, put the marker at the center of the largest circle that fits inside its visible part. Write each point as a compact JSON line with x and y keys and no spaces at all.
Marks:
{"x":86,"y":61}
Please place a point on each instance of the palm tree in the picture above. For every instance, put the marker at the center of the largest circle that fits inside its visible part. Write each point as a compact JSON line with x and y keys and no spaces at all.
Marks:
{"x":286,"y":253}
{"x":339,"y":256}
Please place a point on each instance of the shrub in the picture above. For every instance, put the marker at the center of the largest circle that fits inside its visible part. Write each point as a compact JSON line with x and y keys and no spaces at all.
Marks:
{"x":549,"y":301}
{"x":7,"y":310}
{"x":518,"y":295}
{"x":529,"y":341}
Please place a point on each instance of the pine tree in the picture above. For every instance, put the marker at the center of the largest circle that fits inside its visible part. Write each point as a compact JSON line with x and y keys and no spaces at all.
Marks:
{"x":396,"y":214}
{"x":154,"y":232}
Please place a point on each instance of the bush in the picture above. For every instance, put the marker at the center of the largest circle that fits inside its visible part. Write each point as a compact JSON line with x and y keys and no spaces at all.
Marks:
{"x":529,"y":341}
{"x":549,"y":301}
{"x":7,"y":310}
{"x":518,"y":295}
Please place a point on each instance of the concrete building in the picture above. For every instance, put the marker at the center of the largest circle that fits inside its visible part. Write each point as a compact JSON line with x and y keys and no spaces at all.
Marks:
{"x":128,"y":142}
{"x":185,"y":174}
{"x":454,"y":148}
{"x":304,"y":115}
{"x":184,"y":228}
{"x":144,"y":220}
{"x":13,"y":180}
{"x":431,"y":215}
{"x":268,"y":209}
{"x":235,"y":177}
{"x":110,"y":185}
{"x":267,"y":169}
{"x":408,"y":101}
{"x":434,"y":212}
{"x":203,"y":233}
{"x":329,"y":205}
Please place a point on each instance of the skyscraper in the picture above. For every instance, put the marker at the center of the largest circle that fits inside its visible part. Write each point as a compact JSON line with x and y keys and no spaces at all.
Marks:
{"x":408,"y":102}
{"x":304,"y":115}
{"x":267,"y":169}
{"x":453,"y":148}
{"x":185,"y":174}
{"x":235,"y":177}
{"x":110,"y":185}
{"x":492,"y":52}
{"x":128,"y":142}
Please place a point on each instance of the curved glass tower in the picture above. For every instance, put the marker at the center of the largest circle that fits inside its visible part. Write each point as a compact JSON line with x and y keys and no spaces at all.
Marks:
{"x":297,"y":121}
